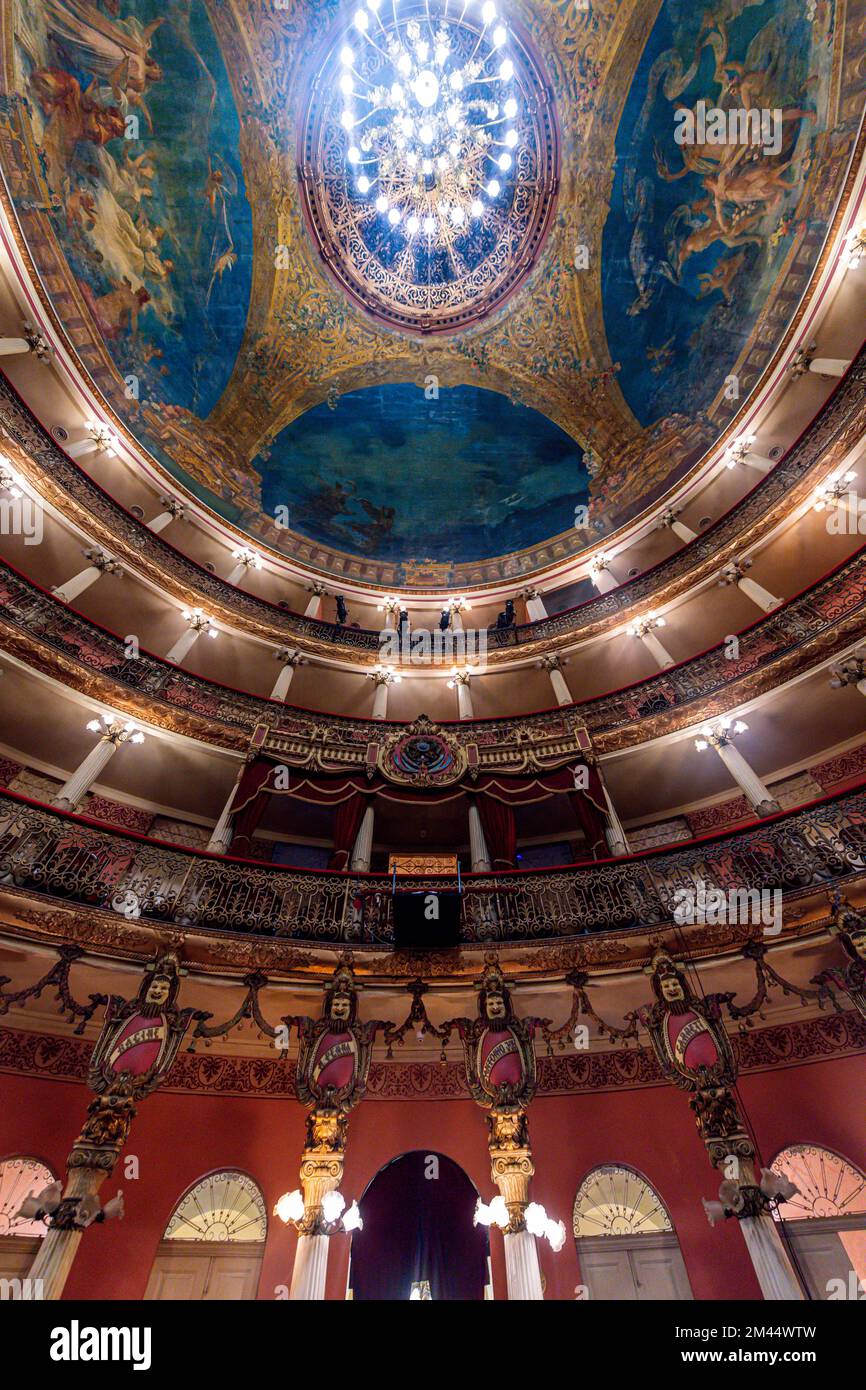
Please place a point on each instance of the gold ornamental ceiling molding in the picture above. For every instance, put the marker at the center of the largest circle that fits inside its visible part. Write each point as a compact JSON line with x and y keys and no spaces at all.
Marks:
{"x":261,"y":47}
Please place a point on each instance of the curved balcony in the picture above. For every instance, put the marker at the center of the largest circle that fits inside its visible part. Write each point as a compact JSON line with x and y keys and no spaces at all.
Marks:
{"x":57,"y":856}
{"x":830,"y":435}
{"x":816,"y":624}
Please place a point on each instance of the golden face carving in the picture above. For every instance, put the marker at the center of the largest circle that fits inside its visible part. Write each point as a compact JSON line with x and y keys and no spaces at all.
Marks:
{"x":158,"y":990}
{"x":495,"y":1005}
{"x":858,"y":941}
{"x":672,"y":990}
{"x":341,"y":1007}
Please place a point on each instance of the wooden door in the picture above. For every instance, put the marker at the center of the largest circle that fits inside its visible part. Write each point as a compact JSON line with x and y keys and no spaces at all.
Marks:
{"x":203,"y":1271}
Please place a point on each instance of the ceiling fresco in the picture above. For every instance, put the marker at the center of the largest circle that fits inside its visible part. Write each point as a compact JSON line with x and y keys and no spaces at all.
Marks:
{"x":389,"y":473}
{"x":156,"y":158}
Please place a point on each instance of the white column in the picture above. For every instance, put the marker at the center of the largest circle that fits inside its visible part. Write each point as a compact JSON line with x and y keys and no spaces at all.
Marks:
{"x":735,"y":573}
{"x":10,"y":347}
{"x":685,"y":533}
{"x":310,"y":1269}
{"x":478,"y":851}
{"x":183,"y":646}
{"x":759,"y":595}
{"x":290,"y":659}
{"x":33,"y":342}
{"x":460,"y":681}
{"x":246,"y":560}
{"x":174,"y":511}
{"x":770,"y":1259}
{"x":757,"y":461}
{"x":114,"y":732}
{"x":456,"y":618}
{"x":100,"y":564}
{"x":221,"y":835}
{"x":644,"y":629}
{"x":362,"y":852}
{"x":602,"y":577}
{"x":314,"y":607}
{"x":535,"y":609}
{"x":614,"y":834}
{"x":553,"y":666}
{"x":829,"y":366}
{"x":522,"y":1268}
{"x":746,"y":779}
{"x":380,"y":698}
{"x":76,"y":788}
{"x":198,"y":624}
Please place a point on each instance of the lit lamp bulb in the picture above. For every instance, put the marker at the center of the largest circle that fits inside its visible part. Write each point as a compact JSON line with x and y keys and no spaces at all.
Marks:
{"x":353,"y":1220}
{"x":333,"y":1206}
{"x":290,"y":1207}
{"x":499,"y":1212}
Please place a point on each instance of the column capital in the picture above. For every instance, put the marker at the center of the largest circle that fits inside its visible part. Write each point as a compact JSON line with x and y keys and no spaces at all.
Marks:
{"x":37,"y":343}
{"x":802,"y":360}
{"x":511,"y":1165}
{"x":459,"y":678}
{"x":289,"y":656}
{"x":199,"y":621}
{"x":734,"y":572}
{"x":599,"y":562}
{"x":529,"y":592}
{"x":851,"y":671}
{"x":250,"y":559}
{"x":98,"y":560}
{"x":175,"y":506}
{"x":383,"y":675}
{"x":116,"y":730}
{"x":391,"y":604}
{"x":641,"y":626}
{"x":318,"y":589}
{"x":554,"y":662}
{"x":720,"y":734}
{"x":668,"y":518}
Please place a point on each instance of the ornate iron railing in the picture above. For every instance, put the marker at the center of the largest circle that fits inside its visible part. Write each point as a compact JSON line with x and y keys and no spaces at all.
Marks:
{"x":836,"y":424}
{"x":48,"y":852}
{"x":824,"y":611}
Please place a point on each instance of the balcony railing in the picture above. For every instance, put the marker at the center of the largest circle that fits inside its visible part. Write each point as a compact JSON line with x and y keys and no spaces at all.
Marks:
{"x":837,"y":425}
{"x":65,"y":857}
{"x":825,"y":611}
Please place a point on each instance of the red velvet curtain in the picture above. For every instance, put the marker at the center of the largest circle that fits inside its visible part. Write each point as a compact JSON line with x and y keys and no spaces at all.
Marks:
{"x":347,"y":823}
{"x":497,"y":822}
{"x":591,"y":809}
{"x":251,"y":799}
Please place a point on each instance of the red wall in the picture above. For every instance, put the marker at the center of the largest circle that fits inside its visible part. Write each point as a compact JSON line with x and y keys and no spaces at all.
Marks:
{"x":179,"y":1138}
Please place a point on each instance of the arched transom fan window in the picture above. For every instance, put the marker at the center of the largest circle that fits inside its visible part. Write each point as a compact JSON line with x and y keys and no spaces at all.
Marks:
{"x":225,"y":1206}
{"x":829,"y":1186}
{"x":616,"y":1201}
{"x":19,"y":1177}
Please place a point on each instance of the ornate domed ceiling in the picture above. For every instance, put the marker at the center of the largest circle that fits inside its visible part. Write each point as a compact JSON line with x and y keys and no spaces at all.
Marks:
{"x":277,"y":261}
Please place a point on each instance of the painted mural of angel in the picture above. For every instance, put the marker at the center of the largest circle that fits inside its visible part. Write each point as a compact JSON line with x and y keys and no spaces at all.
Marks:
{"x":116,"y":52}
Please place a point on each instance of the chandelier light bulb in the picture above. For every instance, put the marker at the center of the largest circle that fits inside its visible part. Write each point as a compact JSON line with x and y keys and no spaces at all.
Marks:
{"x":363,"y":184}
{"x":94,"y":726}
{"x":394,"y":217}
{"x":353,"y":1221}
{"x":423,"y":92}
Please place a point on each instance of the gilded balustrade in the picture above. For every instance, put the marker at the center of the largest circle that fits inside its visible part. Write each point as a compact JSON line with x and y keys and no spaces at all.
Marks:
{"x":49,"y":853}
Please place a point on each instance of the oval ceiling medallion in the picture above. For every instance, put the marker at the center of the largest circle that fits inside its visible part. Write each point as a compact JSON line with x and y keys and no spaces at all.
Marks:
{"x":429,"y":162}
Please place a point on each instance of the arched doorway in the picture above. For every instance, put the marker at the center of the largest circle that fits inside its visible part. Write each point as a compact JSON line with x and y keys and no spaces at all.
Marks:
{"x":418,"y":1239}
{"x":826,"y":1221}
{"x":213,"y":1245}
{"x":20,"y":1176}
{"x":626,"y":1243}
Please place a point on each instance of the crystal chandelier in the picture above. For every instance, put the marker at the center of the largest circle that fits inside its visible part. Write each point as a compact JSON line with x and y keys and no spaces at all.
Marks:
{"x":432,"y":115}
